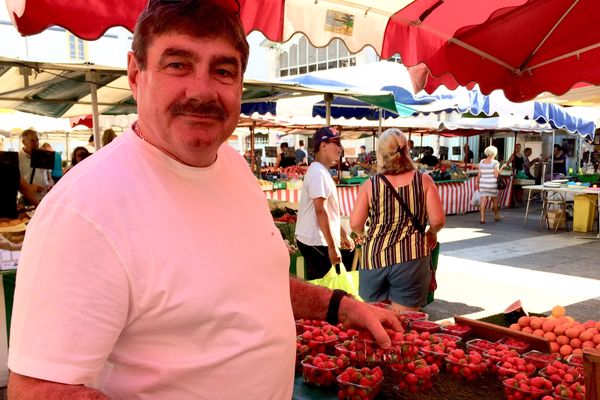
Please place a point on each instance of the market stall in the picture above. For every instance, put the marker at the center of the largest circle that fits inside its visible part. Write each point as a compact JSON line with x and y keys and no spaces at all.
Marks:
{"x":456,"y":195}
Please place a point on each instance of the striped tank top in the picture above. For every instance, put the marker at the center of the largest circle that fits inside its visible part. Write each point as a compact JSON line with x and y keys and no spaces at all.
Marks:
{"x":392,"y":238}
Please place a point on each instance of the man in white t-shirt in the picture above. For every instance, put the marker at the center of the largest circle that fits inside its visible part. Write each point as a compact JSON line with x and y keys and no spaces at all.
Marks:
{"x":319,"y":233}
{"x":154,"y":270}
{"x":42,"y":180}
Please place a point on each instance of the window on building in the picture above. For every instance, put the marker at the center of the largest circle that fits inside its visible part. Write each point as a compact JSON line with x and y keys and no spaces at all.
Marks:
{"x":77,"y":47}
{"x":302,"y":57}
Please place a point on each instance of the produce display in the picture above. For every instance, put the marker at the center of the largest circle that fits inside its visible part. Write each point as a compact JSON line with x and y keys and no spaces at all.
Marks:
{"x":457,"y":330}
{"x":446,"y":172}
{"x":566,"y":336}
{"x":418,"y":359}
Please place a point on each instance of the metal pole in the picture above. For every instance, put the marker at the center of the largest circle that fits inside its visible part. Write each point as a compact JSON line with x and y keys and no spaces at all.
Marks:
{"x":380,"y":121}
{"x":328,"y":97}
{"x":252,"y":166}
{"x":95,"y":112}
{"x":552,"y":158}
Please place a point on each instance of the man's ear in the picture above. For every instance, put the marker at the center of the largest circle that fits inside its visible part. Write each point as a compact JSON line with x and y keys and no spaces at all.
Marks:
{"x":133,"y":70}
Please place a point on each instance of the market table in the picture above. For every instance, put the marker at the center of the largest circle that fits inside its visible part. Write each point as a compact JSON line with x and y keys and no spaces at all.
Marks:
{"x":572,"y":189}
{"x":456,"y":195}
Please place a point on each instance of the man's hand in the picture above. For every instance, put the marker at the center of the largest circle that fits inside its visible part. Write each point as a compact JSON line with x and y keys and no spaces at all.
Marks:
{"x":354,"y":313}
{"x":334,"y":255}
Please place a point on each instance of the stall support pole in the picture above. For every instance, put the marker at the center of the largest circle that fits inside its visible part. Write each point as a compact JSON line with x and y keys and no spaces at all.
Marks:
{"x":552,"y":158}
{"x":91,"y":76}
{"x":380,"y":121}
{"x":328,"y":97}
{"x":252,"y":166}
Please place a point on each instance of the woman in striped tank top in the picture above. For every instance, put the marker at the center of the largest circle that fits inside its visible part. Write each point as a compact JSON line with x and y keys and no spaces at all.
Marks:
{"x":487,"y":179}
{"x":396,"y":256}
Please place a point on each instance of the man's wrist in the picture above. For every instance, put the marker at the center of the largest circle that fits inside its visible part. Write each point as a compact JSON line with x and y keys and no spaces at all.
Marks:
{"x":334,"y":306}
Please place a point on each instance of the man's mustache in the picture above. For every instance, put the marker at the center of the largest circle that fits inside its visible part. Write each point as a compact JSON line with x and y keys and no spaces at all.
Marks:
{"x":212,"y":109}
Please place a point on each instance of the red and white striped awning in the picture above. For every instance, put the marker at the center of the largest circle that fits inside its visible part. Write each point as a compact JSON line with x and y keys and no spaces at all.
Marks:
{"x":524,"y":47}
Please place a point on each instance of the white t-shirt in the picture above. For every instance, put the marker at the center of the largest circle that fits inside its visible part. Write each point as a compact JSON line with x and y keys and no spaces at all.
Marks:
{"x":317,"y":183}
{"x":40,"y":178}
{"x":149,"y":279}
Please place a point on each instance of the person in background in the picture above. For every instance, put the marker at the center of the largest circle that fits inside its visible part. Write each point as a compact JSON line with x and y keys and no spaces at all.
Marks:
{"x":429,"y":159}
{"x":108,"y":136}
{"x":12,"y":183}
{"x":396,"y":255}
{"x":284,"y":160}
{"x":559,"y":163}
{"x":57,"y":171}
{"x":411,"y":149}
{"x":91,"y":146}
{"x":527,"y":163}
{"x":301,"y":154}
{"x":42,"y":180}
{"x":363,"y":159}
{"x":182,"y":288}
{"x":516,"y":159}
{"x":468,"y":154}
{"x":319,"y":232}
{"x":80,"y":153}
{"x":487,"y":182}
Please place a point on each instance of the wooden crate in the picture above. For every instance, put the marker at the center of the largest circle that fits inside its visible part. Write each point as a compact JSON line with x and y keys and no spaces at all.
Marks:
{"x":493,"y":332}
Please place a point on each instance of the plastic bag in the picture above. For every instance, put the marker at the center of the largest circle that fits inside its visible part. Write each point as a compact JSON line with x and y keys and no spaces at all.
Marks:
{"x":476,"y":199}
{"x":345,"y":280}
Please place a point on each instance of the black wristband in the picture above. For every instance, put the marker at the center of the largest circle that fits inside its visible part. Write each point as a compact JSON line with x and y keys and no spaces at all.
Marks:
{"x":334,"y":306}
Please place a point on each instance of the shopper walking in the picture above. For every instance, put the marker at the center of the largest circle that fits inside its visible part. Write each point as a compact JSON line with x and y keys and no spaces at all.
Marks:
{"x":487,"y":182}
{"x":397,"y":204}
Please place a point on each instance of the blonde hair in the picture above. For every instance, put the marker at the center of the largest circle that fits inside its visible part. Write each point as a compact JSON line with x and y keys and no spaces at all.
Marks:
{"x":393,"y":156}
{"x":491,"y":151}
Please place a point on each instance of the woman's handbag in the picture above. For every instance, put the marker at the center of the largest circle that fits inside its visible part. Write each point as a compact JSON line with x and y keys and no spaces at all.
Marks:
{"x":417,"y":224}
{"x":476,"y":199}
{"x":501,"y":183}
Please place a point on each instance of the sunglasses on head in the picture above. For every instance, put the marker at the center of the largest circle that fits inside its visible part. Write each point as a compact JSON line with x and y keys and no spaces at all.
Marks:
{"x":230,"y":5}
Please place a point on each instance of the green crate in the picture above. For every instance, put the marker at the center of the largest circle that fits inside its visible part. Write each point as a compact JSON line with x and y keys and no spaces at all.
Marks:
{"x":279,"y":185}
{"x":355,"y":180}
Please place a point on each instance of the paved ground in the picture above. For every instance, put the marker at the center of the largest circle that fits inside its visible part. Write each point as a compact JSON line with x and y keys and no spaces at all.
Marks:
{"x":483,"y":268}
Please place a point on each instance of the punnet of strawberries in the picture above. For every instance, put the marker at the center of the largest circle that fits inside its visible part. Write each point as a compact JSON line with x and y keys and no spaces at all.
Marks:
{"x":539,"y":359}
{"x":322,"y":369}
{"x":415,"y":376}
{"x":558,"y":372}
{"x":482,"y":345}
{"x":516,"y":344}
{"x":513,"y":366}
{"x":437,"y":346}
{"x":575,"y":391}
{"x":359,"y":383}
{"x":460,"y":330}
{"x":466,"y":366}
{"x":402,"y":348}
{"x":522,"y":387}
{"x":319,"y":341}
{"x":425,"y":326}
{"x":496,"y":357}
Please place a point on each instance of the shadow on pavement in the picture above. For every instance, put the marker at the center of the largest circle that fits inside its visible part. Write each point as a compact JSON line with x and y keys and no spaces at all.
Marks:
{"x":441,"y":309}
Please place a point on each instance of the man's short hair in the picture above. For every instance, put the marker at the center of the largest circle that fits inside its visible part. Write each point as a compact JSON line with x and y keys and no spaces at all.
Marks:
{"x":363,"y":147}
{"x":197,"y":18}
{"x":301,"y":142}
{"x":28,"y":132}
{"x":284,"y":144}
